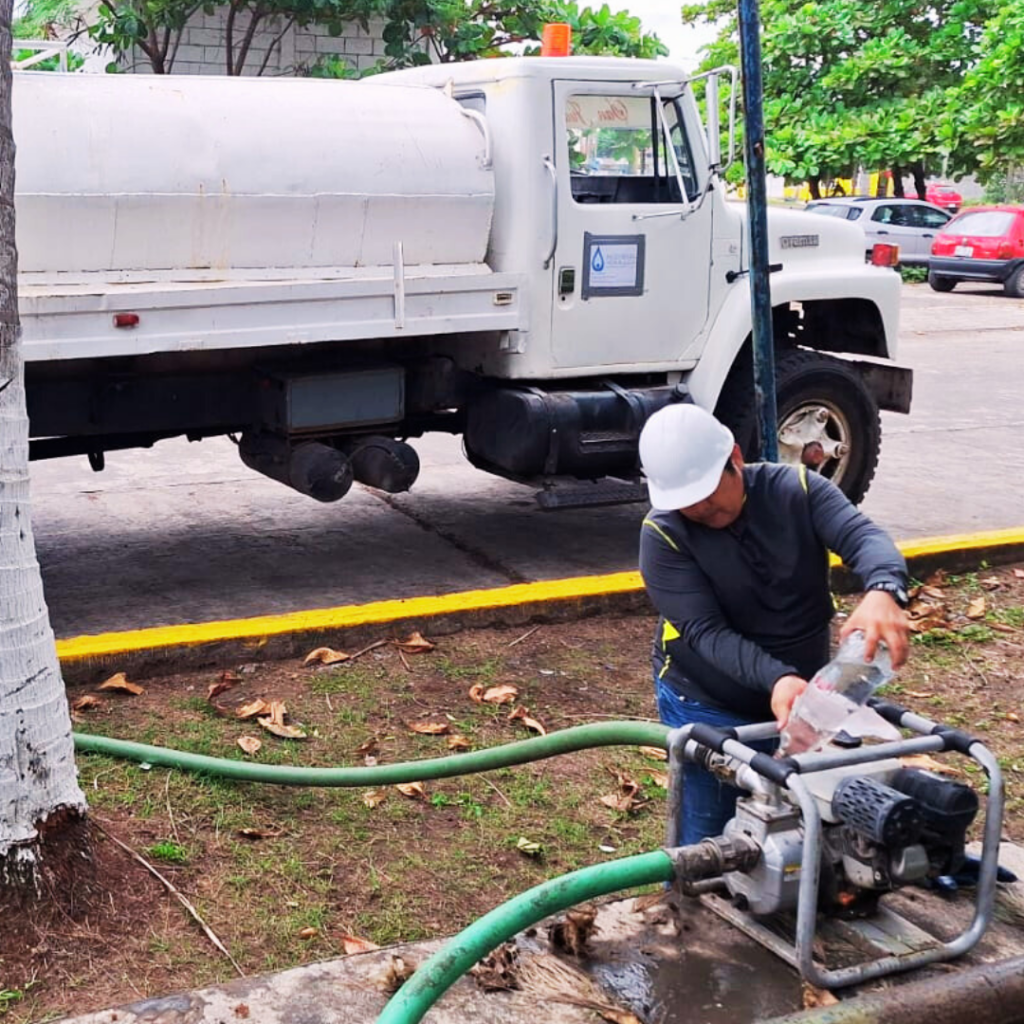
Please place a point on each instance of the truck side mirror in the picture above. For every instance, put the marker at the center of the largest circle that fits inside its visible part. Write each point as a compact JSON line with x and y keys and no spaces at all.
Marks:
{"x":711,"y":101}
{"x":714,"y":130}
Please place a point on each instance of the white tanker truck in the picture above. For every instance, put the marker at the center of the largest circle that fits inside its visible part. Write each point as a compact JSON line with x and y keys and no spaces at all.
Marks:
{"x":533,"y":253}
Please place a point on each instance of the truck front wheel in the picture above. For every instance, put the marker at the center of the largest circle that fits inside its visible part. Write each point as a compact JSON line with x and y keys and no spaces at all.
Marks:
{"x":828,"y":419}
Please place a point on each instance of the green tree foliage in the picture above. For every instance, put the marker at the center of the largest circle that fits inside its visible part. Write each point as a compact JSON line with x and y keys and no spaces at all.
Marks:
{"x":155,"y":27}
{"x":991,"y":105}
{"x":47,"y":19}
{"x":850,"y":84}
{"x":421,"y":31}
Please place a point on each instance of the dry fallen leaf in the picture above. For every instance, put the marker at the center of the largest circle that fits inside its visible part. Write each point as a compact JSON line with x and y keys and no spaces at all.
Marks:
{"x":529,"y":847}
{"x":628,"y":797}
{"x":371,"y":746}
{"x":413,"y":790}
{"x":573,"y":933}
{"x":217,"y":688}
{"x":929,"y":764}
{"x":920,"y":694}
{"x":85,"y":703}
{"x":498,"y":971}
{"x":242,"y":1010}
{"x":286,"y":732}
{"x":459,"y":742}
{"x":255,"y":707}
{"x":506,"y":693}
{"x":415,"y":643}
{"x":430,"y":728}
{"x":814,"y":996}
{"x":260,"y":833}
{"x":1019,"y":573}
{"x":991,"y":582}
{"x":658,"y":778}
{"x":274,"y":723}
{"x":1012,"y":716}
{"x":522,"y":714}
{"x":976,"y":609}
{"x":395,"y":975}
{"x":119,"y":682}
{"x":307,"y":933}
{"x":250,"y":744}
{"x":1001,"y":627}
{"x":372,"y":797}
{"x":353,"y":944}
{"x":654,"y":753}
{"x":325,"y":656}
{"x":651,"y":899}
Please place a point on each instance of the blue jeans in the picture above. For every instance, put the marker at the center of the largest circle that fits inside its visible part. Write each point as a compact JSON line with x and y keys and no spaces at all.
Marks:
{"x":708,"y":803}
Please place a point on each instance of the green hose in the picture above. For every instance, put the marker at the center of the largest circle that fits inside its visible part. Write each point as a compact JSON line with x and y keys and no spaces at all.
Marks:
{"x":565,"y":741}
{"x":437,"y":974}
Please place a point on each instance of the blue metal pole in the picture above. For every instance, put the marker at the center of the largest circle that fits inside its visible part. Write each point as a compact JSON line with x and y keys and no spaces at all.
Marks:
{"x":757,"y":219}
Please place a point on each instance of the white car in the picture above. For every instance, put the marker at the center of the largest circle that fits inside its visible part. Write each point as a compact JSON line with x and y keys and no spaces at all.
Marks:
{"x":912,"y":224}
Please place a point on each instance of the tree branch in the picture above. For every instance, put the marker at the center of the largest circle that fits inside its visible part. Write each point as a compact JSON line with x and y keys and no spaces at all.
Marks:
{"x":276,"y":42}
{"x":243,"y":52}
{"x":174,"y":49}
{"x":229,"y":35}
{"x":155,"y":60}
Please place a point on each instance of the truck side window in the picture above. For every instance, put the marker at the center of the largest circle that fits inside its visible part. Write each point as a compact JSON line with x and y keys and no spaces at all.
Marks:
{"x":617,"y":150}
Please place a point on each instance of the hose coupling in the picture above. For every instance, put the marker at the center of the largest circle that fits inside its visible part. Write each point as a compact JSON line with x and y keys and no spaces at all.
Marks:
{"x":711,"y":858}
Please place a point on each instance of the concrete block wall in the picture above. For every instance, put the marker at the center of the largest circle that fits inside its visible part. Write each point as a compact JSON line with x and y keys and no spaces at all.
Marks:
{"x":201,"y":49}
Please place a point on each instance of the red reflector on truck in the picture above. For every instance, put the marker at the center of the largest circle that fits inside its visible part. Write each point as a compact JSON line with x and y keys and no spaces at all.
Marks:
{"x":885,"y":255}
{"x":126,"y":319}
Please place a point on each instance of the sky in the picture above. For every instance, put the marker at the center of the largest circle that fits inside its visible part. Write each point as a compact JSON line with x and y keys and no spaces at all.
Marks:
{"x":662,"y":17}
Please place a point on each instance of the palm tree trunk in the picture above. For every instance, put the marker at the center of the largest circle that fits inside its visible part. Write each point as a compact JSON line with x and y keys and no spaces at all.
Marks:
{"x":39,"y":792}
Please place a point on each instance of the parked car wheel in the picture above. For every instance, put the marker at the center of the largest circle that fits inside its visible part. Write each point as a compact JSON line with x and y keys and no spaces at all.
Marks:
{"x":1014,"y":284}
{"x":940,"y":283}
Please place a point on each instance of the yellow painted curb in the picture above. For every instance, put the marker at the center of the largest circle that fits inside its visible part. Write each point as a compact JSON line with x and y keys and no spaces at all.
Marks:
{"x":82,"y":648}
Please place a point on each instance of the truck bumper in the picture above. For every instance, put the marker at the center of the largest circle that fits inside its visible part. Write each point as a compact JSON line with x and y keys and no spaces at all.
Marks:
{"x":966,"y":269}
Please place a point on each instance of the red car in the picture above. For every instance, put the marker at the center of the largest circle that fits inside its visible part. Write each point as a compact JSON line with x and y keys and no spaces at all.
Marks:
{"x":984,"y":243}
{"x":944,"y":195}
{"x":940,"y":194}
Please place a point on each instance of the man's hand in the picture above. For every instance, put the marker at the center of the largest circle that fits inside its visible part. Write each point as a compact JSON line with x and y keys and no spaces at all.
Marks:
{"x":784,"y":694}
{"x":880,"y":618}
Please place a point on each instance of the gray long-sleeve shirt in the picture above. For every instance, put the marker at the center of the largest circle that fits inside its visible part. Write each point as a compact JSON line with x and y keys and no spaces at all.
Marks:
{"x":742,"y":606}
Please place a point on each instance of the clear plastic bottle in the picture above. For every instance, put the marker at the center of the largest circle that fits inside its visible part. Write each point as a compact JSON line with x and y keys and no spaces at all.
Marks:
{"x":836,"y":694}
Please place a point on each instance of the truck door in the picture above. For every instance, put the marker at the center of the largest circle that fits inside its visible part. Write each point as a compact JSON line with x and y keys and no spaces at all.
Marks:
{"x":632,"y":258}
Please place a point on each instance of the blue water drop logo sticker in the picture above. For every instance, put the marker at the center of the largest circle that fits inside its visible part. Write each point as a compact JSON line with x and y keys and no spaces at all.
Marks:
{"x":597,"y":261}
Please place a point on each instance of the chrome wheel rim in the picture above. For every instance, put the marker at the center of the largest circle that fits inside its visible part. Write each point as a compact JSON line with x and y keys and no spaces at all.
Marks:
{"x":817,"y":434}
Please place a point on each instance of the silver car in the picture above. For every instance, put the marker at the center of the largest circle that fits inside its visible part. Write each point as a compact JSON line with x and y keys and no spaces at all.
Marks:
{"x":911,"y":224}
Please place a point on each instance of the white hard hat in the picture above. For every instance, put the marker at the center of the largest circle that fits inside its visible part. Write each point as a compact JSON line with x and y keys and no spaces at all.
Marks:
{"x":683,"y":450}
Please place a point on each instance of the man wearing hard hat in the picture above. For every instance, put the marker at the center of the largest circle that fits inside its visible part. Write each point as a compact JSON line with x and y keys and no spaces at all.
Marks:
{"x":736,"y":560}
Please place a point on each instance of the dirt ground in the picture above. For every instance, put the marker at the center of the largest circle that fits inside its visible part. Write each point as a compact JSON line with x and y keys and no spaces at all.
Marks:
{"x":284,"y":876}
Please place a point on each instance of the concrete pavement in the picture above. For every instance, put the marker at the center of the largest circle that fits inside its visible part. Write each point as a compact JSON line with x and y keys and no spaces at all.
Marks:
{"x":185,"y":533}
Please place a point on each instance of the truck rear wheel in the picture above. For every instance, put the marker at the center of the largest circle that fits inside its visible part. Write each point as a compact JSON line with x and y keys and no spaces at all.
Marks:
{"x":828,"y":419}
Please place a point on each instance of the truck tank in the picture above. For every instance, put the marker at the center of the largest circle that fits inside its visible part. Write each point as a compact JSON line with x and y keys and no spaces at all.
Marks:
{"x":133,"y":173}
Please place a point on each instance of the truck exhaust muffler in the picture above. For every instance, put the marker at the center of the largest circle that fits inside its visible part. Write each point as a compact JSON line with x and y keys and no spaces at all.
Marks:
{"x":384,"y":463}
{"x":309,"y":467}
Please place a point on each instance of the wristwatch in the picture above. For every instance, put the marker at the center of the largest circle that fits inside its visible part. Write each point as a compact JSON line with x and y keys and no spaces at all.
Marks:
{"x":895,"y":591}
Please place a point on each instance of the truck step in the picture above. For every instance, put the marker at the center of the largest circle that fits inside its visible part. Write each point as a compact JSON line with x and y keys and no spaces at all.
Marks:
{"x":609,"y":491}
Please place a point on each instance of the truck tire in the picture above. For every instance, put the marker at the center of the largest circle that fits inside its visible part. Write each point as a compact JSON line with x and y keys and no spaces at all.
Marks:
{"x":939,"y":283}
{"x":1014,"y":284}
{"x":820,"y":399}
